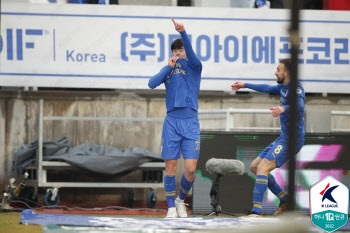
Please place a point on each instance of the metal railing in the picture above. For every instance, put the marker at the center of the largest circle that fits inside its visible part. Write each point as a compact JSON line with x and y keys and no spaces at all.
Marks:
{"x":43,"y":166}
{"x":229,"y":114}
{"x":340,"y":113}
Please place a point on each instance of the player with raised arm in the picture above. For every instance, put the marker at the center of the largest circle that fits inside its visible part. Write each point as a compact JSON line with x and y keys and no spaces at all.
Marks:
{"x":181,"y":77}
{"x":276,"y":154}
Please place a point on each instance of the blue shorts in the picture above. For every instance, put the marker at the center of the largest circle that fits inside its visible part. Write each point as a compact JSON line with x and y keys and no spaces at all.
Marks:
{"x":181,"y":134}
{"x":278,"y":150}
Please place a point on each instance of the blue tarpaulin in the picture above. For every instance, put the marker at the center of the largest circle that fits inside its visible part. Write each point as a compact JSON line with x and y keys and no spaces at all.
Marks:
{"x":138,"y":224}
{"x":29,"y":217}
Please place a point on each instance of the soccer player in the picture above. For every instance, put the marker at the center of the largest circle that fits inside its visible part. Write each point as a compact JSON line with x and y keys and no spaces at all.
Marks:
{"x":181,"y":77}
{"x":276,"y":154}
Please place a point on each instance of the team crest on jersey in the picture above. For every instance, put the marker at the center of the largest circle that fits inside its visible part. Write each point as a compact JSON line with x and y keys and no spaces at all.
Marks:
{"x":284,"y":93}
{"x":299,"y":91}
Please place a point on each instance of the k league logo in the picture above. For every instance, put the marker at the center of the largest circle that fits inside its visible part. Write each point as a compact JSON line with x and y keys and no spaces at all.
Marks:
{"x":329,"y":204}
{"x":327,"y":194}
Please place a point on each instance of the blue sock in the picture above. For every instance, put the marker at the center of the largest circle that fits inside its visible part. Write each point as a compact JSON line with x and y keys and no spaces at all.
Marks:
{"x":276,"y":189}
{"x":185,"y":187}
{"x":259,"y":191}
{"x":170,"y":188}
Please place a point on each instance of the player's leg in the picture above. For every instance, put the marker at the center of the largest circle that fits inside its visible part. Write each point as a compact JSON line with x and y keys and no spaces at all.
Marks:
{"x":170,"y":187}
{"x":255,"y":163}
{"x":272,"y":184}
{"x":259,"y":183}
{"x":170,"y":153}
{"x":263,"y":169}
{"x":190,"y":151}
{"x":280,"y":154}
{"x":190,"y":147}
{"x":188,"y":177}
{"x":281,"y":158}
{"x":279,"y":192}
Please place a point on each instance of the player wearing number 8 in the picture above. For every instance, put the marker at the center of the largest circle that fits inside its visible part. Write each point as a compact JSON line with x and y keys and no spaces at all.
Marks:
{"x":276,"y":154}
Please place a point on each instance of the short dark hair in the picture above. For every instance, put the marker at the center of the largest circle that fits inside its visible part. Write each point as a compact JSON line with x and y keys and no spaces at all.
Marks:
{"x":287,"y":64}
{"x":177,"y":44}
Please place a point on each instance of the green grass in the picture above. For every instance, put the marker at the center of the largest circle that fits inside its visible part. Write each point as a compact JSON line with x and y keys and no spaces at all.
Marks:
{"x":9,"y":223}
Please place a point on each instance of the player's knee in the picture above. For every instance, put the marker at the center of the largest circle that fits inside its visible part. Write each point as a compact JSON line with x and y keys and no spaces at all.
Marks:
{"x":190,"y":172}
{"x":253,"y":168}
{"x":170,"y":169}
{"x":261,"y":169}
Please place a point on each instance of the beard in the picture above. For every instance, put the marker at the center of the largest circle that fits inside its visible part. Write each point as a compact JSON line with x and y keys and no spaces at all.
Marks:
{"x":280,"y":80}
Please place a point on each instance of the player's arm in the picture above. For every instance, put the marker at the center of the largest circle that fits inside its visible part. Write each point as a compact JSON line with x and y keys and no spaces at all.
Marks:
{"x":159,"y":78}
{"x":300,"y":103}
{"x":257,"y":87}
{"x":192,"y":58}
{"x":278,"y":110}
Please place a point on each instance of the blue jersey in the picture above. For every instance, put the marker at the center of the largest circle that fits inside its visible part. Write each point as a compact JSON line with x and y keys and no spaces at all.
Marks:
{"x":282,"y":90}
{"x":182,"y":82}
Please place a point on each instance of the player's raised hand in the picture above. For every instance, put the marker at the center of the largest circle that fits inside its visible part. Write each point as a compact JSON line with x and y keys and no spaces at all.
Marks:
{"x":276,"y":111}
{"x":172,"y":61}
{"x":237,"y":85}
{"x":178,"y":26}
